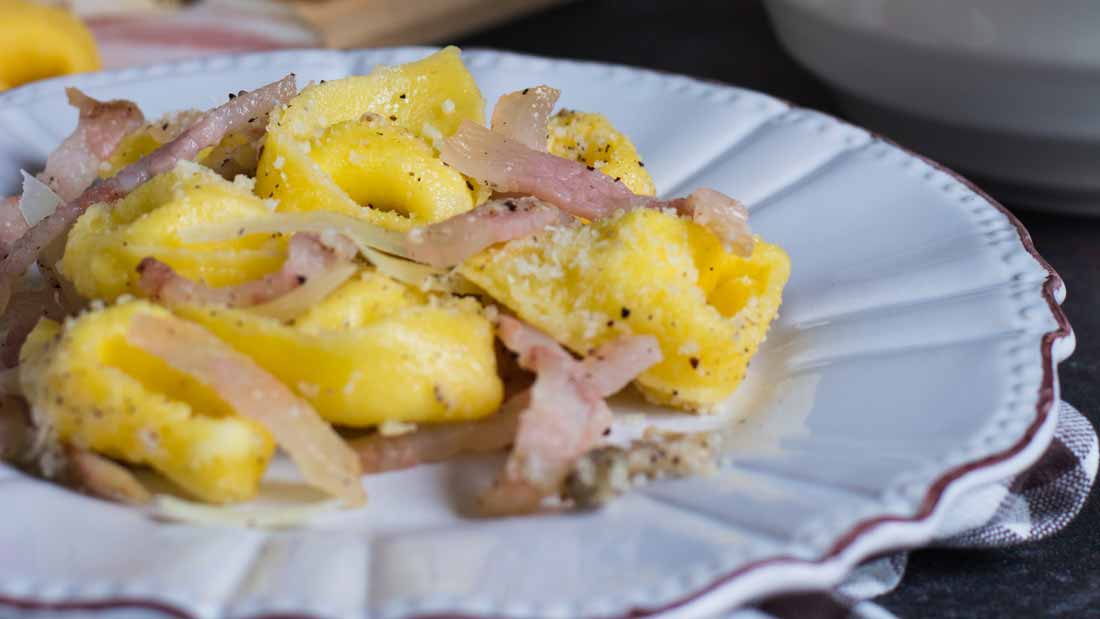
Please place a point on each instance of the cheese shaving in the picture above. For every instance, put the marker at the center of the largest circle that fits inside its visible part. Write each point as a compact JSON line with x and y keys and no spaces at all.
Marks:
{"x":38,"y":201}
{"x":420,"y":276}
{"x":363,"y":233}
{"x":391,"y":427}
{"x":167,"y":507}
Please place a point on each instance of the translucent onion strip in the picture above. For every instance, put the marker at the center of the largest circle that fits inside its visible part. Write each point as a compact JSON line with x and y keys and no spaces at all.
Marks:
{"x":358,"y":230}
{"x":167,"y":507}
{"x":424,"y":277}
{"x":324,"y":459}
{"x":295,"y":303}
{"x":105,"y":478}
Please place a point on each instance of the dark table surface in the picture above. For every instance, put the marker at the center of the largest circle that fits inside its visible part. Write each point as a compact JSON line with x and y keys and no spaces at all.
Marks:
{"x":731,"y":41}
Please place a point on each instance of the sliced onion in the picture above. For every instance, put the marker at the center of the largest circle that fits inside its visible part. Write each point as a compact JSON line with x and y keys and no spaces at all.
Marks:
{"x":449,"y":242}
{"x":308,"y":256}
{"x":324,"y":458}
{"x":301,"y":299}
{"x":105,"y":478}
{"x":417,"y":275}
{"x":522,"y":115}
{"x":362,"y":232}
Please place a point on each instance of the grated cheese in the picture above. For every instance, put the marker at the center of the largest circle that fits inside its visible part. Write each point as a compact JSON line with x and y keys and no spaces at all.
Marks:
{"x":689,"y":347}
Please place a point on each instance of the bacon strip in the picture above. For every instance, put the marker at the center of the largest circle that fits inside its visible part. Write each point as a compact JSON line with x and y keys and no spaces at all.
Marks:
{"x":606,"y":371}
{"x":169,"y":126}
{"x":613,"y":365}
{"x":324,"y":458}
{"x":28,"y":306}
{"x":207,"y":131}
{"x":378,"y":453}
{"x":74,"y":165}
{"x":16,"y":431}
{"x":12,"y":223}
{"x":70,"y":169}
{"x":10,"y":385}
{"x":449,"y":242}
{"x":566,"y":415}
{"x":522,"y":115}
{"x":307,"y":257}
{"x":211,"y":127}
{"x":563,"y":421}
{"x":511,"y":167}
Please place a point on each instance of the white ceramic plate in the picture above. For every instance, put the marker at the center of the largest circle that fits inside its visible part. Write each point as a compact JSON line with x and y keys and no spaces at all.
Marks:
{"x":915,"y":357}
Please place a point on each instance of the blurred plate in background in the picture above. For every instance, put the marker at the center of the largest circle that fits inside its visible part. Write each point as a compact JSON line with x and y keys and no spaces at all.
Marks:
{"x":1007,"y":90}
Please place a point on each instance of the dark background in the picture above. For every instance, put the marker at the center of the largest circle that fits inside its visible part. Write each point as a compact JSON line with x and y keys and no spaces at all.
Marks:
{"x":731,"y":41}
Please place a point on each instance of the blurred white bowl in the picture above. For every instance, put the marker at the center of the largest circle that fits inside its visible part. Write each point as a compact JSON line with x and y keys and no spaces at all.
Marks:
{"x":1007,"y":90}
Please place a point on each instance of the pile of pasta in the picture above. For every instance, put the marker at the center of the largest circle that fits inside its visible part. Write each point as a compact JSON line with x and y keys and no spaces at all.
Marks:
{"x":368,"y":276}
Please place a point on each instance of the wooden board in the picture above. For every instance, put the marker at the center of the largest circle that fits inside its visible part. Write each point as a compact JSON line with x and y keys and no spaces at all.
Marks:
{"x":368,"y":23}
